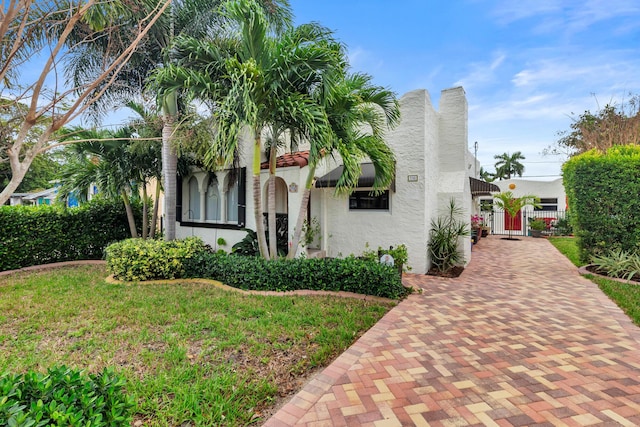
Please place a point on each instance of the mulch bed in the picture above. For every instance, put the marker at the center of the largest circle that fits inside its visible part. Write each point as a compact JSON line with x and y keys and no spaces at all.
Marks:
{"x":454,"y":272}
{"x":593,"y":269}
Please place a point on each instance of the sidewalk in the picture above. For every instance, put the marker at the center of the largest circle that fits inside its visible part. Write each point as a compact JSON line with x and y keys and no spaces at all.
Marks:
{"x":520,"y":339}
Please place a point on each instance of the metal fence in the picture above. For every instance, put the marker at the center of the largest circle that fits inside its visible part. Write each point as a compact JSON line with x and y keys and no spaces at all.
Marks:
{"x":500,"y":221}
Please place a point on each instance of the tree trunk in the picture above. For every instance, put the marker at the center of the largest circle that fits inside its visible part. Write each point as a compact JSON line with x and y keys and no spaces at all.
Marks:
{"x":154,"y":217}
{"x":130,"y":218}
{"x":257,"y":205}
{"x":273,"y":228}
{"x":19,"y":168}
{"x":169,"y":166}
{"x":145,"y":211}
{"x":302,"y":214}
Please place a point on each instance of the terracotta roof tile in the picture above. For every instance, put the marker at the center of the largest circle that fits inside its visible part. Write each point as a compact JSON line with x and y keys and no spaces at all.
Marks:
{"x":299,"y":158}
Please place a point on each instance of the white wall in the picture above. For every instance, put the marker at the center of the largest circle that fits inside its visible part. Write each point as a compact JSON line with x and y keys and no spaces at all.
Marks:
{"x":542,"y":189}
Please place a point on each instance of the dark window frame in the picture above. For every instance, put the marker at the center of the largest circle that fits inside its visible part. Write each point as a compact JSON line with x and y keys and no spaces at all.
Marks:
{"x":242,"y":206}
{"x":364,"y":200}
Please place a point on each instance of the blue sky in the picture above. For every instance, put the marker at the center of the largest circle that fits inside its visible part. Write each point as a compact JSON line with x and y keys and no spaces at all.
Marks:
{"x":525,"y":65}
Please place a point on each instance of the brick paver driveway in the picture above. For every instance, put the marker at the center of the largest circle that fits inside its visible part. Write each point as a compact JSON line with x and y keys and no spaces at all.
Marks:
{"x":520,"y":339}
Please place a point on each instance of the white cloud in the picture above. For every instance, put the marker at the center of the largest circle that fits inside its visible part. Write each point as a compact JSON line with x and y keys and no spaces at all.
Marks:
{"x":482,"y":73}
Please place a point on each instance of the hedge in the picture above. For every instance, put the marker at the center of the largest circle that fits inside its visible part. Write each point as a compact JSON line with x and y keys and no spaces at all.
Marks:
{"x":33,"y":235}
{"x":602,"y":190}
{"x":133,"y":260}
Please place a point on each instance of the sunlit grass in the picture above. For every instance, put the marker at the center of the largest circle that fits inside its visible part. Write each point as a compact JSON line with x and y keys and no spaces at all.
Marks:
{"x":568,"y":247}
{"x":191,"y":352}
{"x":625,"y":295}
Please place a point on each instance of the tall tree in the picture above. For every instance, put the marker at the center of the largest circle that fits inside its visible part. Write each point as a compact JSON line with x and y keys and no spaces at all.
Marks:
{"x":509,"y":165}
{"x":487,"y":176}
{"x":256,"y":80}
{"x":43,"y":36}
{"x":358,"y":113}
{"x":609,"y":126}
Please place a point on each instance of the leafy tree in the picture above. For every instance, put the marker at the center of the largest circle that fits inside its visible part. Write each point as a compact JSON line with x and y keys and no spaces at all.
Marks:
{"x":512,"y":205}
{"x":612,"y":125}
{"x":508,"y":165}
{"x":44,"y":36}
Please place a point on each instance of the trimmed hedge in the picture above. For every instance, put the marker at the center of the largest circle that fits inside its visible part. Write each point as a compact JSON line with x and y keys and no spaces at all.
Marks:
{"x":602,"y":190}
{"x":64,"y":397}
{"x":135,"y":260}
{"x":33,"y":235}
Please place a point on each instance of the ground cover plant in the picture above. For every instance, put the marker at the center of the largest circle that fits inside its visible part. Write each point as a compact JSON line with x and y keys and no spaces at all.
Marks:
{"x":625,"y":295}
{"x":191,"y":354}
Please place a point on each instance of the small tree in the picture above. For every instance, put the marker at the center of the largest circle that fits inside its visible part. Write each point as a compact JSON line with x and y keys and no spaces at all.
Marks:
{"x":43,"y":36}
{"x":512,"y":205}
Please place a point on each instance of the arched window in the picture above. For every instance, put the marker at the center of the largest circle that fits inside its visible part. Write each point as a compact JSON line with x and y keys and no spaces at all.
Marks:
{"x":232,"y":201}
{"x":194,"y":199}
{"x":212,"y":208}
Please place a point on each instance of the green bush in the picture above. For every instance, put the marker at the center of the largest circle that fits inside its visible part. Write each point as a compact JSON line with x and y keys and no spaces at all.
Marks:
{"x":329,"y":274}
{"x":618,"y":263}
{"x":33,"y":235}
{"x":138,"y":259}
{"x":602,"y":190}
{"x":64,"y":397}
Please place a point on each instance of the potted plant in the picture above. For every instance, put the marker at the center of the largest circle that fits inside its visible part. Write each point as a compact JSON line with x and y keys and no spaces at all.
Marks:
{"x":477,"y":223}
{"x":537,"y":225}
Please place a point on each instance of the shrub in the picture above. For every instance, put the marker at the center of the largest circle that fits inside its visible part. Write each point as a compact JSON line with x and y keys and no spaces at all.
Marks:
{"x":602,"y":190}
{"x":618,"y":263}
{"x":66,"y":397}
{"x":330,"y":274}
{"x":444,"y":234}
{"x":32,"y":235}
{"x":138,"y":259}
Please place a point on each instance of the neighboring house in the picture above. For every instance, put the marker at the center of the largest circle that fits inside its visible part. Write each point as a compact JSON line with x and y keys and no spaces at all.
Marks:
{"x":433,"y":167}
{"x":553,"y":203}
{"x":47,"y":197}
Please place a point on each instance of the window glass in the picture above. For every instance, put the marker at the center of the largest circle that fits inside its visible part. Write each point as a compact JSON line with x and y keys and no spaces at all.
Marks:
{"x":232,"y":202}
{"x":367,"y":200}
{"x":212,"y":208}
{"x":194,"y":199}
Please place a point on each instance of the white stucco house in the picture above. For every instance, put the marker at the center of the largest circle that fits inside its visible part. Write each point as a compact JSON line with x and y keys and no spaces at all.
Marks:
{"x":433,"y":166}
{"x":553,"y":203}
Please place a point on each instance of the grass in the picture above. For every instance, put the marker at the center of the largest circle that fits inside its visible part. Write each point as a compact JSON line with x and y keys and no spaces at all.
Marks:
{"x":192,"y":354}
{"x":568,"y":247}
{"x":625,"y":295}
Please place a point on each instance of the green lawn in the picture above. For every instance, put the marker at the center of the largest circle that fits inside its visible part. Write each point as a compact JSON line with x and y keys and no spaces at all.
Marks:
{"x":567,"y":246}
{"x":626,"y":296}
{"x":191,"y":353}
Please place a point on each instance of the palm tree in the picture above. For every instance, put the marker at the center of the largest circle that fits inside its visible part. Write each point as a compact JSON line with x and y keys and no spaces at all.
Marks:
{"x":487,"y":176}
{"x":195,"y":18}
{"x":508,"y":165}
{"x":104,"y":158}
{"x":257,"y":81}
{"x":358,"y":114}
{"x":512,"y":205}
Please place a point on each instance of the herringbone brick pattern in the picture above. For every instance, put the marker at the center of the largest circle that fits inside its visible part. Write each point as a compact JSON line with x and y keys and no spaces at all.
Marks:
{"x":520,"y":339}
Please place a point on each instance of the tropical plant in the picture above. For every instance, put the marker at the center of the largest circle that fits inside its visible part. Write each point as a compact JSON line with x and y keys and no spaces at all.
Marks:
{"x":256,"y":81}
{"x":618,"y":263}
{"x":512,"y":205}
{"x":537,"y":224}
{"x":358,"y":113}
{"x":486,"y":175}
{"x":103,"y":158}
{"x":508,"y":165}
{"x":186,"y":18}
{"x":444,"y":237}
{"x":59,"y":31}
